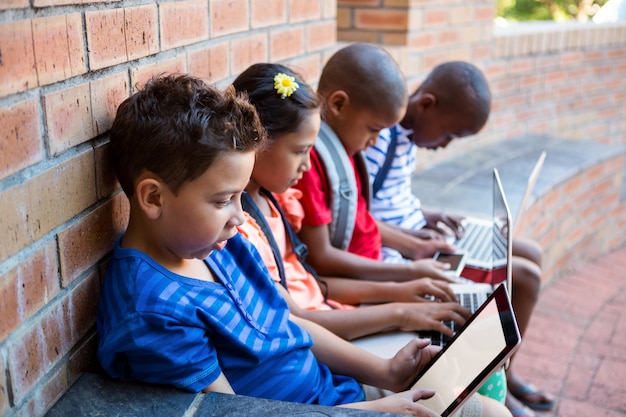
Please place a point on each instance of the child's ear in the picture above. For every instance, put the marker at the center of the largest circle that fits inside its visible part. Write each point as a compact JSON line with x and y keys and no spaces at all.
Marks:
{"x":337,"y":101}
{"x":149,"y":197}
{"x":427,"y":100}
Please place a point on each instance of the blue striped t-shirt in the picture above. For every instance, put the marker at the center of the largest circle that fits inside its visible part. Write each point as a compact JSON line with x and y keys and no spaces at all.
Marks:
{"x":395,"y":202}
{"x":159,"y":327}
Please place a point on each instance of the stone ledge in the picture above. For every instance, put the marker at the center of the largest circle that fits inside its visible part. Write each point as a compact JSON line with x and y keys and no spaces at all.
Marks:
{"x":95,"y":395}
{"x":575,"y":210}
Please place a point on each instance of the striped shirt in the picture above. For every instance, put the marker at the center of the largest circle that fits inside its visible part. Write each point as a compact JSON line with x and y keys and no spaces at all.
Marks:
{"x":395,"y":202}
{"x":159,"y":327}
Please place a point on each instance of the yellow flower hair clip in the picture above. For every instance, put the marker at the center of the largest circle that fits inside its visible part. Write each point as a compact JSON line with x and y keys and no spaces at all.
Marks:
{"x":285,"y":84}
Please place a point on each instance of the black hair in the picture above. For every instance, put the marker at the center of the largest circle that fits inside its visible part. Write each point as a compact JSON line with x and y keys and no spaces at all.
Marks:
{"x":368,"y":74}
{"x":278,"y":115}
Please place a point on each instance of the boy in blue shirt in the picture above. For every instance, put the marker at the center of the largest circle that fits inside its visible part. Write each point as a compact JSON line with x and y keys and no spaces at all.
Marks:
{"x":186,"y":300}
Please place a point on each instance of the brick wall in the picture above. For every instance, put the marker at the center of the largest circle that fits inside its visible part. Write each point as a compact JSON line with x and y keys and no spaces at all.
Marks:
{"x":66,"y":64}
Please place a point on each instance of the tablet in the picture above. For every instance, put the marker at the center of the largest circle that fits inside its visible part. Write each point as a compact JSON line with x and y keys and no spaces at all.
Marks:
{"x":478,"y":349}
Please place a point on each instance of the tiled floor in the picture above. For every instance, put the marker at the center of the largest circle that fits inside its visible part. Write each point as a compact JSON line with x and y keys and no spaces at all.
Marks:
{"x":575,"y":346}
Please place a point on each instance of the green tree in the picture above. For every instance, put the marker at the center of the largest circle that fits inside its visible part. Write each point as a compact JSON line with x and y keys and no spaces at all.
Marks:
{"x":523,"y":10}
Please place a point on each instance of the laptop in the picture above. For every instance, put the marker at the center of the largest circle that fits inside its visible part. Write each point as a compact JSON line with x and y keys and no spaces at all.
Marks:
{"x":477,"y":242}
{"x":484,"y":343}
{"x":474,"y":293}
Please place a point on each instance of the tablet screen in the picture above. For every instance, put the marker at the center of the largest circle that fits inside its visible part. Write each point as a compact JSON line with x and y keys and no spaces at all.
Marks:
{"x":470,"y":357}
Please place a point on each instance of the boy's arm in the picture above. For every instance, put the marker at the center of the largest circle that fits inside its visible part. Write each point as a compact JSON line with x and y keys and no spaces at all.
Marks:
{"x":328,"y":260}
{"x":344,"y":358}
{"x":221,"y":384}
{"x":409,"y":246}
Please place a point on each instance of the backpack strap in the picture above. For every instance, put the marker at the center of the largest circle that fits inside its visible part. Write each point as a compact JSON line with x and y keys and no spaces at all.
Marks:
{"x":382,"y":173}
{"x":251,"y":208}
{"x":299,"y":247}
{"x":343,"y":196}
{"x":364,"y":176}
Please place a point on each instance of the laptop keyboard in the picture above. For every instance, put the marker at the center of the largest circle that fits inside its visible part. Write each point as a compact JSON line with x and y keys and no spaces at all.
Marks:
{"x":471,"y":301}
{"x":477,"y":241}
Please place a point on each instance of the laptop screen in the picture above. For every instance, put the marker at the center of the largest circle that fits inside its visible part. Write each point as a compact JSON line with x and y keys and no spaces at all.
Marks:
{"x":502,"y":237}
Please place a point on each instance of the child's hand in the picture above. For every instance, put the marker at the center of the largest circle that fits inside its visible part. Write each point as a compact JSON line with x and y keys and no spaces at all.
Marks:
{"x":405,"y":402}
{"x":430,"y":268}
{"x":453,"y":222}
{"x":407,"y":363}
{"x":423,"y":316}
{"x":422,"y":290}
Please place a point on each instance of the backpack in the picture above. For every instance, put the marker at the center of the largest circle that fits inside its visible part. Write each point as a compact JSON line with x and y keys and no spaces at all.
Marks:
{"x":342,"y":184}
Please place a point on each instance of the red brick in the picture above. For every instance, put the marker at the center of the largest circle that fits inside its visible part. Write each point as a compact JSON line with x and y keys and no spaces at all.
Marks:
{"x":287,"y":43}
{"x":267,"y":13}
{"x":357,"y":36}
{"x":485,"y":13}
{"x":41,"y":346}
{"x":381,"y":19}
{"x":309,"y":67}
{"x":329,"y":9}
{"x":139,"y":76}
{"x":105,"y":37}
{"x":421,"y":40}
{"x":447,"y":37}
{"x":59,"y":50}
{"x":228,"y":16}
{"x":321,"y":35}
{"x":300,"y":11}
{"x":68,"y":117}
{"x":435,"y":17}
{"x":85,"y":242}
{"x":20,"y":137}
{"x":106,"y":94}
{"x":39,"y":204}
{"x":27,"y":287}
{"x":84,"y":357}
{"x":106,"y":183}
{"x":17,"y":59}
{"x":344,"y":18}
{"x":183,"y":23}
{"x":210,"y":64}
{"x":141,"y":31}
{"x":247,"y":51}
{"x":45,"y":395}
{"x":13,"y":4}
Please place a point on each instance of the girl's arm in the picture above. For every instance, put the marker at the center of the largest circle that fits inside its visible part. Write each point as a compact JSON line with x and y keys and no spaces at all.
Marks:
{"x":408,"y":245}
{"x":328,"y":260}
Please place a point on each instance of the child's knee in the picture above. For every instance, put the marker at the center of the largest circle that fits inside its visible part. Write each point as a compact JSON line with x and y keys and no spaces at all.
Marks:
{"x":529,"y":249}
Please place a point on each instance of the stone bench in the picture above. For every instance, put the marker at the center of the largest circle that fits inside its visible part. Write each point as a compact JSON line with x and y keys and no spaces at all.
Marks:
{"x":96,"y":395}
{"x":571,"y":212}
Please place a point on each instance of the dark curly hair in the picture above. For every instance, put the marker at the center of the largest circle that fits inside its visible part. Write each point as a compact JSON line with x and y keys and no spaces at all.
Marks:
{"x":176,"y":126}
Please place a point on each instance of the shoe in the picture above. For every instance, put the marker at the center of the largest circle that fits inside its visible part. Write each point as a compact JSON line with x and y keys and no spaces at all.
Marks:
{"x":532,"y":397}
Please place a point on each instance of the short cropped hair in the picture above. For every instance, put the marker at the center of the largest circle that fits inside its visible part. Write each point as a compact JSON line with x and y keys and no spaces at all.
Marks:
{"x":278,"y":115}
{"x":368,"y":74}
{"x":176,"y":126}
{"x":461,"y":89}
